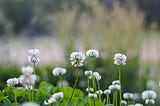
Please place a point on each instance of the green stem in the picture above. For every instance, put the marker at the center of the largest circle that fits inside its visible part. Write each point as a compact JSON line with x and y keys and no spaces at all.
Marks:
{"x":75,"y":84}
{"x":61,"y":81}
{"x":120,"y":91}
{"x":93,"y":79}
{"x":34,"y":71}
{"x":88,"y":86}
{"x":99,"y":90}
{"x":114,"y":99}
{"x":107,"y":99}
{"x":15,"y":98}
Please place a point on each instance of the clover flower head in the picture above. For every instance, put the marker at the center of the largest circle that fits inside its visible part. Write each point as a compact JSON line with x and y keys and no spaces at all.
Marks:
{"x":91,"y":89}
{"x":27,"y":80}
{"x":27,"y":70}
{"x":151,"y":101}
{"x":33,"y":57}
{"x":59,"y":71}
{"x":114,"y":87}
{"x":92,"y":53}
{"x":128,"y":96}
{"x":88,"y":74}
{"x":116,"y":82}
{"x":138,"y":104}
{"x":149,"y":94}
{"x":119,"y":59}
{"x":77,"y":59}
{"x":97,"y":76}
{"x":30,"y":104}
{"x":92,"y":95}
{"x":99,"y":92}
{"x":107,"y":91}
{"x":124,"y":103}
{"x":54,"y":98}
{"x":12,"y":81}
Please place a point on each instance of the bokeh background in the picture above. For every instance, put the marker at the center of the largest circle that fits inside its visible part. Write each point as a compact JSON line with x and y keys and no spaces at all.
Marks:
{"x":59,"y":27}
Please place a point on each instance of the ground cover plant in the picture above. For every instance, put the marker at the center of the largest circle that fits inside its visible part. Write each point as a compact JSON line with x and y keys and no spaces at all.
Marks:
{"x":22,"y":91}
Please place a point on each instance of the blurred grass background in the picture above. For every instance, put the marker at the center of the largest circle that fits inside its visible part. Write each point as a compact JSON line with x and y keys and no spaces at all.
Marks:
{"x":59,"y":27}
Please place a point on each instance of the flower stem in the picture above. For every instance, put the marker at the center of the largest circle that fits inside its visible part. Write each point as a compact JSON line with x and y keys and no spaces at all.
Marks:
{"x":107,"y":99}
{"x":99,"y":90}
{"x":88,"y":86}
{"x":75,"y":84}
{"x":61,"y":81}
{"x":34,"y":71}
{"x":93,"y":79}
{"x":114,"y":99}
{"x":120,"y":91}
{"x":15,"y":98}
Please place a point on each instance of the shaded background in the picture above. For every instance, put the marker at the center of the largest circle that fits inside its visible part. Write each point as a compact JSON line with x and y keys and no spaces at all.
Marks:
{"x":59,"y":27}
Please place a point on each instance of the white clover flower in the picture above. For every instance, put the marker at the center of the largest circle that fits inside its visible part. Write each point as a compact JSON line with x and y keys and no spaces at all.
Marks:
{"x":124,"y":103}
{"x":77,"y":59}
{"x":116,"y":82}
{"x":136,"y":96}
{"x":59,"y":71}
{"x":107,"y":91}
{"x":151,"y":101}
{"x":91,"y":89}
{"x":138,"y":104}
{"x":128,"y":96}
{"x":119,"y":59}
{"x":149,"y":94}
{"x":54,"y":97}
{"x":92,"y":53}
{"x":92,"y":95}
{"x":27,"y":70}
{"x":30,"y":104}
{"x":88,"y":74}
{"x":64,"y":83}
{"x":58,"y":95}
{"x":114,"y":87}
{"x":97,"y":75}
{"x":12,"y":81}
{"x":27,"y":79}
{"x":99,"y":92}
{"x":33,"y":56}
{"x":49,"y":101}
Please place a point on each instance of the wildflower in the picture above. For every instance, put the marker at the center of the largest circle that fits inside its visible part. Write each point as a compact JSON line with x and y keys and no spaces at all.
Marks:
{"x":136,"y":96}
{"x":91,"y":89}
{"x":97,"y":75}
{"x":92,"y":95}
{"x":124,"y":103}
{"x":27,"y":70}
{"x":33,"y":56}
{"x":116,"y":82}
{"x":128,"y":96}
{"x":54,"y":98}
{"x":58,"y":71}
{"x":27,"y":78}
{"x":138,"y":104}
{"x":107,"y":91}
{"x":88,"y":74}
{"x":119,"y":59}
{"x":12,"y":81}
{"x":114,"y":87}
{"x":151,"y":101}
{"x":99,"y":92}
{"x":92,"y":53}
{"x":149,"y":94}
{"x":77,"y":59}
{"x":30,"y":104}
